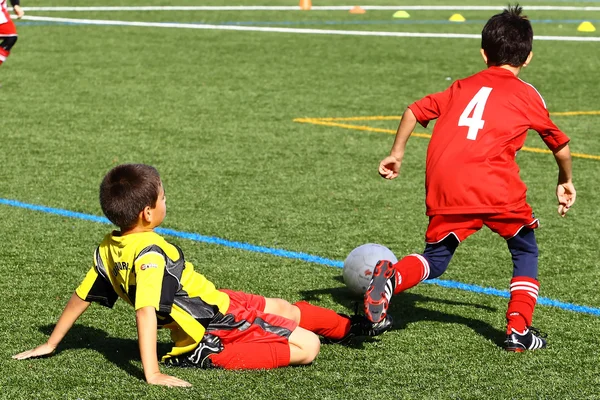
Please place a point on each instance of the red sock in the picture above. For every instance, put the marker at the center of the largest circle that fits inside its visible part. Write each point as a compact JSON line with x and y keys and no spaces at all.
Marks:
{"x":3,"y":55}
{"x":523,"y":296}
{"x":411,"y":270}
{"x":253,"y":356}
{"x":322,"y":321}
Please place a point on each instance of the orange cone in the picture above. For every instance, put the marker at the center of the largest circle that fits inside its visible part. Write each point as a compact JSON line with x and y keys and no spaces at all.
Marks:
{"x":357,"y":10}
{"x":305,"y":5}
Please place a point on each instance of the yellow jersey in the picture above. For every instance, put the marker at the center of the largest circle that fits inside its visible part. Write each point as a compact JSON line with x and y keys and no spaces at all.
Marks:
{"x":145,"y":270}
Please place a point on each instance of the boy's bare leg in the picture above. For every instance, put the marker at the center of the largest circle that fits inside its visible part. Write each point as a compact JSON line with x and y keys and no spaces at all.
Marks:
{"x":304,"y":346}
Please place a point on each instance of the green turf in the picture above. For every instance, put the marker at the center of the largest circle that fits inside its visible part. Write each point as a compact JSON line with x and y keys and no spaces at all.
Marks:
{"x":214,"y":111}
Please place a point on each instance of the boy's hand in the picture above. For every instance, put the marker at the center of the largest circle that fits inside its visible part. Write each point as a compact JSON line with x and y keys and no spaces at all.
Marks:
{"x":40,"y":351}
{"x":389,"y":167}
{"x":167,"y":380}
{"x":565,"y":193}
{"x":19,"y":11}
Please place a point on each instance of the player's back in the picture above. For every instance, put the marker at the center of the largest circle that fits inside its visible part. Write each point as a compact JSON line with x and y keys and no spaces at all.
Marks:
{"x":482,"y":122}
{"x":144,"y":269}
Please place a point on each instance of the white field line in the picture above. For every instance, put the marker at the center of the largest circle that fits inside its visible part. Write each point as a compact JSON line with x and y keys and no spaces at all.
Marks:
{"x":295,"y":30}
{"x":296,"y":8}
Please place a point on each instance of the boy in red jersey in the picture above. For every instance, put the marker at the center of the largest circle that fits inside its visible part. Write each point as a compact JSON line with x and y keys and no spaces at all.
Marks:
{"x":210,"y":327}
{"x":472,"y":178}
{"x":8,"y":31}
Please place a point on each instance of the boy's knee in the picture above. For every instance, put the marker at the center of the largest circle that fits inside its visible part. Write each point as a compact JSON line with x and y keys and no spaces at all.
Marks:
{"x":312,"y":348}
{"x":304,"y":346}
{"x":282,"y":308}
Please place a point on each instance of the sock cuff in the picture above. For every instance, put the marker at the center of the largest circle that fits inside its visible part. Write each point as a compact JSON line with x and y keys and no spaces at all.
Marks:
{"x":526,"y":284}
{"x":426,"y":269}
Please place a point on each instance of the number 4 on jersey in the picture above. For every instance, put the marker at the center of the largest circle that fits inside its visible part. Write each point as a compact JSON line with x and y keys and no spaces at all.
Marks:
{"x":475,"y":106}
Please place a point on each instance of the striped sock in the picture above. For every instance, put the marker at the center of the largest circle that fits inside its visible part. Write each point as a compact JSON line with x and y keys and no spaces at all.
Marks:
{"x":523,"y":296}
{"x":411,"y":270}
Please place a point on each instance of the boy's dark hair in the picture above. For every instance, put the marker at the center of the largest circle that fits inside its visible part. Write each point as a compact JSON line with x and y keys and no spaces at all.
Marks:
{"x":507,"y":38}
{"x":126,"y":190}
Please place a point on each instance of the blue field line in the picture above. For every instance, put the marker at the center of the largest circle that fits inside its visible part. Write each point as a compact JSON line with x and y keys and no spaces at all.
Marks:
{"x":296,"y":255}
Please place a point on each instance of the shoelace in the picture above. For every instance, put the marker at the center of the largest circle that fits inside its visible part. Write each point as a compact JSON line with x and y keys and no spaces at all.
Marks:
{"x":538,"y":333}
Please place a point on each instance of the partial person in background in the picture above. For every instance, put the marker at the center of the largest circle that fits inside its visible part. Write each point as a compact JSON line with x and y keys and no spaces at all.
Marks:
{"x":8,"y":31}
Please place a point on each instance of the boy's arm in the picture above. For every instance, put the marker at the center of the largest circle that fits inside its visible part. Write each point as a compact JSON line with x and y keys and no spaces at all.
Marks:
{"x":17,"y":8}
{"x":389,"y":167}
{"x":565,"y":190}
{"x":146,"y":327}
{"x":73,"y":310}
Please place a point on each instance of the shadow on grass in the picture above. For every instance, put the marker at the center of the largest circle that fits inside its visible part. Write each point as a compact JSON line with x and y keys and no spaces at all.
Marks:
{"x":121,"y":352}
{"x":405,"y":309}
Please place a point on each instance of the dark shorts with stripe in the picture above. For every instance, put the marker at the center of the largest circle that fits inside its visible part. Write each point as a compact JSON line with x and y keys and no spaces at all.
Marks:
{"x":247,"y":322}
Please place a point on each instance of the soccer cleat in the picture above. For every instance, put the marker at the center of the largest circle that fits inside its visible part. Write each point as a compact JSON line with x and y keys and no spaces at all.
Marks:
{"x":530,"y":339}
{"x":199,"y":358}
{"x":361,"y":326}
{"x":380,"y":291}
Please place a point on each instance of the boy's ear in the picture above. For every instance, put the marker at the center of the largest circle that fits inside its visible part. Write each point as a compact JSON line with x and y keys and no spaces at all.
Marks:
{"x":146,"y":214}
{"x":485,"y":58}
{"x":529,"y":57}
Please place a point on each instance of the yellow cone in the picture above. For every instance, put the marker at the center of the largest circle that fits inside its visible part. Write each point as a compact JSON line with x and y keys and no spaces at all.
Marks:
{"x":401,"y":14}
{"x":586,"y":26}
{"x":457,"y":18}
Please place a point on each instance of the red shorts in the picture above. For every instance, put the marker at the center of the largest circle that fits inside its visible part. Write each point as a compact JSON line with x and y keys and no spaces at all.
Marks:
{"x":506,"y":224}
{"x":8,"y":29}
{"x":247,"y":322}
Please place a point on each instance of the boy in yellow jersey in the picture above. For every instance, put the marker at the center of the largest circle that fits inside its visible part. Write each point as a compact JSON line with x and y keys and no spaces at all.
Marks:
{"x":210,"y":327}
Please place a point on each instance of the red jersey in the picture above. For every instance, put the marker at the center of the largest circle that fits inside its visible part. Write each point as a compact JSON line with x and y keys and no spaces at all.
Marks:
{"x":482,"y":122}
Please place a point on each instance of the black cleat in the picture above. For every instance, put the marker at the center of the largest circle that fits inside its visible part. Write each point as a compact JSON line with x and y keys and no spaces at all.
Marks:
{"x":199,"y":357}
{"x":380,"y":291}
{"x":361,"y":326}
{"x":530,"y":339}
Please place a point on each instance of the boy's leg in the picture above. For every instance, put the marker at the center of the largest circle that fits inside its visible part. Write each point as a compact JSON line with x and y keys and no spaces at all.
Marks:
{"x":524,"y":286}
{"x":8,"y":38}
{"x":253,"y":339}
{"x":302,"y":348}
{"x":322,"y":321}
{"x":325,"y":322}
{"x":443,"y":237}
{"x":517,"y":228}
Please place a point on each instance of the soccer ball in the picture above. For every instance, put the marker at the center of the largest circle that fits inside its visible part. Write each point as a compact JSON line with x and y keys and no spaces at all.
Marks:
{"x":359,"y":265}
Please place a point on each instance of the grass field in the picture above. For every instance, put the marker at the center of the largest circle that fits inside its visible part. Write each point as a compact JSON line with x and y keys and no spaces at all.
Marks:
{"x":233,"y":120}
